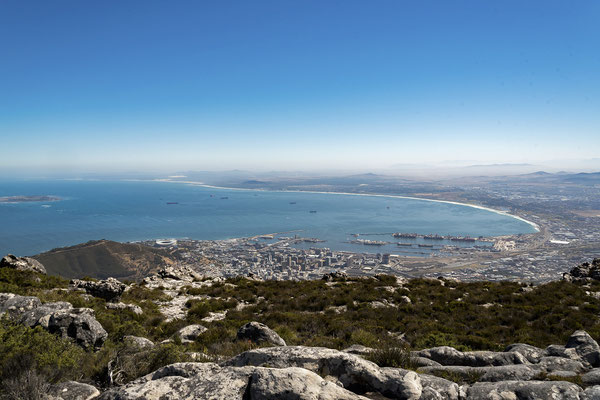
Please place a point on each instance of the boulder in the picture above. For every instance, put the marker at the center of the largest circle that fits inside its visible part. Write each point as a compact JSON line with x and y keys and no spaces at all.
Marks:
{"x":353,"y":372}
{"x":108,"y":289}
{"x":531,"y":353}
{"x":199,"y":381}
{"x":423,"y":362}
{"x":189,"y":333}
{"x":557,"y":350}
{"x":259,"y":333}
{"x":22,"y":264}
{"x":585,"y":346}
{"x":80,"y":325}
{"x":358,"y":349}
{"x":71,"y":390}
{"x":592,"y":377}
{"x":138,"y":341}
{"x":552,"y":364}
{"x":591,"y":393}
{"x":435,"y":388}
{"x":41,"y":314}
{"x":14,"y":305}
{"x":446,"y":355}
{"x":294,"y":383}
{"x":531,"y":390}
{"x":178,"y":273}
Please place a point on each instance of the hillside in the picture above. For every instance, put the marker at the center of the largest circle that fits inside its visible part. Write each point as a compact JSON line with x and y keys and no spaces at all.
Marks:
{"x":339,"y":337}
{"x":104,"y":258}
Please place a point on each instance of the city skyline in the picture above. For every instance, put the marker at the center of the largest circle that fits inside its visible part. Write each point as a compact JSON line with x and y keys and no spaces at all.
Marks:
{"x":154,"y":86}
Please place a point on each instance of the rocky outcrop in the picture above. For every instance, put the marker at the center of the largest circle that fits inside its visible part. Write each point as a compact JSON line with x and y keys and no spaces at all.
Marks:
{"x":22,"y":264}
{"x":335,"y":276}
{"x":259,"y":333}
{"x":77,"y":324}
{"x":523,"y":390}
{"x":531,"y":353}
{"x":585,"y":347}
{"x":209,"y":381}
{"x":179,"y":273}
{"x":190,"y":333}
{"x":14,"y":305}
{"x":446,"y":355}
{"x":80,"y":325}
{"x":584,"y":271}
{"x":109,"y":289}
{"x":352,"y":372}
{"x":71,"y":390}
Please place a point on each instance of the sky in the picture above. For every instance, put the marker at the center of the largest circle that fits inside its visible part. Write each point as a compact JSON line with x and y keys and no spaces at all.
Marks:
{"x":296,"y":85}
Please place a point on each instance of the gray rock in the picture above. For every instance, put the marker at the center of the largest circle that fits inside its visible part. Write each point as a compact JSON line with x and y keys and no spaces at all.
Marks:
{"x":189,"y":333}
{"x":80,"y":325}
{"x":353,"y":372}
{"x":294,"y":383}
{"x":435,"y":388}
{"x":71,"y":390}
{"x":137,"y":310}
{"x":259,"y":333}
{"x":423,"y":362}
{"x":586,"y":347}
{"x":531,"y":353}
{"x":591,"y":393}
{"x":41,"y":314}
{"x":446,"y":355}
{"x":22,"y":264}
{"x":208,"y":381}
{"x":591,"y":378}
{"x":557,"y":350}
{"x":488,"y":374}
{"x":551,"y":364}
{"x":108,"y":289}
{"x":14,"y":306}
{"x":138,"y":341}
{"x":178,"y":273}
{"x":60,"y":317}
{"x":358,"y":349}
{"x":516,"y":390}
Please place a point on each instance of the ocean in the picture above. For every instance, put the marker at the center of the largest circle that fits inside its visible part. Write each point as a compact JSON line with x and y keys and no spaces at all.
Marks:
{"x":143,"y":210}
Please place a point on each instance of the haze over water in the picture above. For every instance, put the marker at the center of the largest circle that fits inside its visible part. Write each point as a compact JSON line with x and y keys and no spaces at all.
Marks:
{"x":131,"y":211}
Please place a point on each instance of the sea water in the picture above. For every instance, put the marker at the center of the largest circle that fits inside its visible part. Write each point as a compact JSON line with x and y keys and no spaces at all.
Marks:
{"x":133,"y":211}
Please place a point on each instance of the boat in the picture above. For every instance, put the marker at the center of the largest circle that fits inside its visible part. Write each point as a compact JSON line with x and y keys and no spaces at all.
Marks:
{"x":313,"y":211}
{"x":224,"y":198}
{"x":292,"y":202}
{"x":404,"y":235}
{"x":172,"y":202}
{"x":433,"y":237}
{"x":425,"y":245}
{"x":405,"y":244}
{"x":462,"y":239}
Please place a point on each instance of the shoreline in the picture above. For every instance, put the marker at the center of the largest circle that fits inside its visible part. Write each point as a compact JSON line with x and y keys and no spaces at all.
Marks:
{"x":531,"y":223}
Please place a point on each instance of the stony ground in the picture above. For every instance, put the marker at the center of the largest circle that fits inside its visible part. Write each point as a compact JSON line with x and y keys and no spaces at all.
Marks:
{"x":177,"y":335}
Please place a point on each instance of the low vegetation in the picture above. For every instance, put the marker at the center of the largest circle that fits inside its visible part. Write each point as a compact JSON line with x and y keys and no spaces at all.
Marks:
{"x":369,"y":312}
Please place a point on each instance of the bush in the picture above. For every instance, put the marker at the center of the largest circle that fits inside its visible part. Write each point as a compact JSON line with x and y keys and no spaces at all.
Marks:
{"x":25,"y":349}
{"x":395,"y":357}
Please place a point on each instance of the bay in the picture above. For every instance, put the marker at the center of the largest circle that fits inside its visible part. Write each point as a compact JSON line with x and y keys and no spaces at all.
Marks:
{"x":143,"y":210}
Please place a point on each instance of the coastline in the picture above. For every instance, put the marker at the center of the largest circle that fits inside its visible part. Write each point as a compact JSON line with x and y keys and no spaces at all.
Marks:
{"x":531,"y":223}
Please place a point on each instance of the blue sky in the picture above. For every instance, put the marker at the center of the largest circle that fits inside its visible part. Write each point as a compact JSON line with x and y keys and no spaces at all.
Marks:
{"x":166,"y":86}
